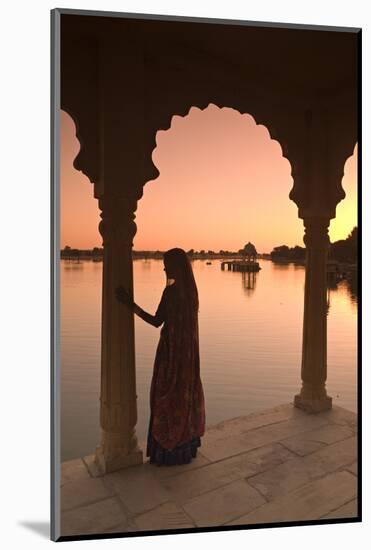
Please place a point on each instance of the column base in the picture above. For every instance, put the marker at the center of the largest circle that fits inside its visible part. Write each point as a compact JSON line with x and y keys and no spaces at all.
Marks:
{"x":313,"y":405}
{"x":107,"y":465}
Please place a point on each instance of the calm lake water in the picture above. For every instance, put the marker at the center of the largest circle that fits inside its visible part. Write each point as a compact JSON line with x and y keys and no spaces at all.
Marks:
{"x":250,"y":343}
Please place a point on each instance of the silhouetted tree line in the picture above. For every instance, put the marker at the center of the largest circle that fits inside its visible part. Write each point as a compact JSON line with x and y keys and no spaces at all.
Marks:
{"x":69,"y":253}
{"x":297,"y":253}
{"x":344,"y":250}
{"x":74,"y":253}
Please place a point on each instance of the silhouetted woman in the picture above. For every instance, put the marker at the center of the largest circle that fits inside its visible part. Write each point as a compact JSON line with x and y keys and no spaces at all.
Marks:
{"x":177,"y":405}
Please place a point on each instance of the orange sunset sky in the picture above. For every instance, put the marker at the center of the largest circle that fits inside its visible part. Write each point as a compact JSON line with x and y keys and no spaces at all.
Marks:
{"x":223,"y":182}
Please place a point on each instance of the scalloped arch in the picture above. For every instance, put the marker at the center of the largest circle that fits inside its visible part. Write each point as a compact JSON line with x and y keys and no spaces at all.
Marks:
{"x":77,"y":163}
{"x":349,"y":152}
{"x":258,"y":120}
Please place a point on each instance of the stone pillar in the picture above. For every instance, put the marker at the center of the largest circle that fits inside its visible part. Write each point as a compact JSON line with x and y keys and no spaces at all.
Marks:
{"x":313,"y":397}
{"x":118,"y":408}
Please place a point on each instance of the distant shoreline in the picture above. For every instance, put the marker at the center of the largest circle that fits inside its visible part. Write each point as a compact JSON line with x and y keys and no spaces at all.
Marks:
{"x":158,"y":255}
{"x":336,"y":271}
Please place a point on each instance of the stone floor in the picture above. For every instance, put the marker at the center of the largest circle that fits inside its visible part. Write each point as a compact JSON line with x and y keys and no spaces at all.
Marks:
{"x":274,"y":466}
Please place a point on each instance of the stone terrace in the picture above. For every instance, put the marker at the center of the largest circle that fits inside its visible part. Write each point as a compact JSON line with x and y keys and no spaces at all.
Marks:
{"x":278,"y":465}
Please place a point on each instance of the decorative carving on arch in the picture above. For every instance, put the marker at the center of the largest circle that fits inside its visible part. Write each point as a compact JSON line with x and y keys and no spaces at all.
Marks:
{"x":87,"y":156}
{"x":316,"y":142}
{"x":80,"y":98}
{"x":262,"y":115}
{"x":327,"y":140}
{"x":345,"y":138}
{"x":147,"y":73}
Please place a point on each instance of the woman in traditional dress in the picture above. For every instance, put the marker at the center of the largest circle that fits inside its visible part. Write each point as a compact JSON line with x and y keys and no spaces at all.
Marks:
{"x":177,"y":404}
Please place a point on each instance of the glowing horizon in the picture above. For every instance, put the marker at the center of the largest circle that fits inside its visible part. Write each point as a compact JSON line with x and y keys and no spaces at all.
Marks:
{"x":207,"y":153}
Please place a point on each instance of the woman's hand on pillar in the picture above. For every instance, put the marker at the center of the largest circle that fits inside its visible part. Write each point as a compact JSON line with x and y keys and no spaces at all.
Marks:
{"x":124,"y":296}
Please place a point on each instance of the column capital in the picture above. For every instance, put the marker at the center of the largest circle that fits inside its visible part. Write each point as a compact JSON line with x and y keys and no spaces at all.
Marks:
{"x":118,"y":215}
{"x":316,"y":232}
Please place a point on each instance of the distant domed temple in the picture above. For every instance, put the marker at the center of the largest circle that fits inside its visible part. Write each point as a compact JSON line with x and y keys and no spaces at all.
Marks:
{"x":249,"y":252}
{"x":248,"y":262}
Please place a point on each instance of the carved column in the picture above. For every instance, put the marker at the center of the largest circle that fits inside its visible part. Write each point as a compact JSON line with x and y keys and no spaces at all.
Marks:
{"x":313,"y":397}
{"x":118,"y":407}
{"x":319,"y":148}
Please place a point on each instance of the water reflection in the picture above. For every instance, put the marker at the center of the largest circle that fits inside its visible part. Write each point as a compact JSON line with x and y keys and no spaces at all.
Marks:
{"x":250,"y":356}
{"x":72,"y":265}
{"x":347,"y":285}
{"x":249,"y":282}
{"x":331,"y":286}
{"x":282,"y":266}
{"x":352,"y":286}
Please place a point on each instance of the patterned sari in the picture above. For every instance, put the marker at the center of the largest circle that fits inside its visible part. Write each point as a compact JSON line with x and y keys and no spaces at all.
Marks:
{"x":177,"y":404}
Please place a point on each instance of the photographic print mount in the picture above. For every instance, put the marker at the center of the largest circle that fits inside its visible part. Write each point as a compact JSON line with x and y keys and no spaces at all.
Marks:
{"x":122,"y":78}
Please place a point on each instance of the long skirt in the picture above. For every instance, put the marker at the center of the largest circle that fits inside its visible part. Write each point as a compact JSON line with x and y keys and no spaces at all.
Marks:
{"x":181,"y":454}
